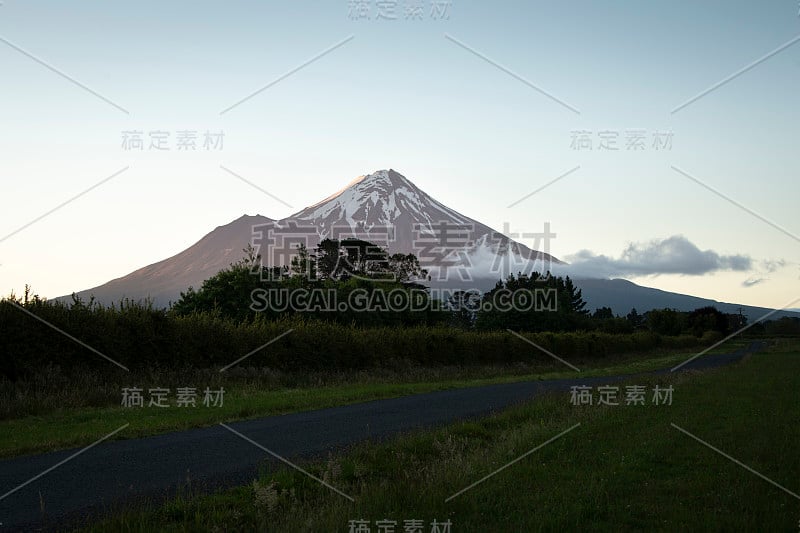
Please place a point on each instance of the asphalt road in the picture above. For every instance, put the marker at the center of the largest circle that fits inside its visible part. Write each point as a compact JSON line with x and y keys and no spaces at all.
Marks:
{"x":153,"y":468}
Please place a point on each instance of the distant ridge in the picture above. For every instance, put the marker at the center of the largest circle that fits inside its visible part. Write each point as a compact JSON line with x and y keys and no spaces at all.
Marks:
{"x":622,"y":295}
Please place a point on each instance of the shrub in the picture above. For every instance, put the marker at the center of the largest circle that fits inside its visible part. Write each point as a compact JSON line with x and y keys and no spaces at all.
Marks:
{"x":140,"y":336}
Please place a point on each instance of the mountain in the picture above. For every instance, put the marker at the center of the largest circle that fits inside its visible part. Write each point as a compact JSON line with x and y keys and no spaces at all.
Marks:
{"x":388,"y":209}
{"x":623,"y":295}
{"x":383,"y":207}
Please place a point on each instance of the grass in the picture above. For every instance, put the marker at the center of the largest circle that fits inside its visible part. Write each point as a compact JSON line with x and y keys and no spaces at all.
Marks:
{"x":623,"y":468}
{"x":250,"y":393}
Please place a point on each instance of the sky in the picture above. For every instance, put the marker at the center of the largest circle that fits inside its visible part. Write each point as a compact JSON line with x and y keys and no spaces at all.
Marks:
{"x":479,"y":104}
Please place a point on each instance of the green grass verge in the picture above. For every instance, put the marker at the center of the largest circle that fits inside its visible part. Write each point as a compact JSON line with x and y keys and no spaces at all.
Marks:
{"x":623,"y":468}
{"x":73,"y":427}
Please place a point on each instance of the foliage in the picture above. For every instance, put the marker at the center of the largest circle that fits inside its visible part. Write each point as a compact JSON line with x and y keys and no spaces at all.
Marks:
{"x":140,"y":336}
{"x":536,"y":314}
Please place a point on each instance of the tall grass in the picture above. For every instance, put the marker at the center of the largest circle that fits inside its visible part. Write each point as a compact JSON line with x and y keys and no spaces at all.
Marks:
{"x":141,"y":337}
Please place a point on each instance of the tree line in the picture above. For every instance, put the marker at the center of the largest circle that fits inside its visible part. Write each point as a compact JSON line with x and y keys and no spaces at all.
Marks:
{"x":534,"y":302}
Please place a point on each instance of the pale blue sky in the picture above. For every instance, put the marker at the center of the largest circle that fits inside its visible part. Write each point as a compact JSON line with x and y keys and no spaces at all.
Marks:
{"x":399,"y":95}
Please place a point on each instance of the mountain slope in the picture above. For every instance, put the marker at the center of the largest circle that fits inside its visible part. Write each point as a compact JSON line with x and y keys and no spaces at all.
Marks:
{"x":383,"y":207}
{"x":623,"y":295}
{"x":164,"y":281}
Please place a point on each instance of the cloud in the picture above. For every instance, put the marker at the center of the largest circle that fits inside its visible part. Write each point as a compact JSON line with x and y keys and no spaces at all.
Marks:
{"x":673,"y":255}
{"x":771,"y":265}
{"x":766,"y":266}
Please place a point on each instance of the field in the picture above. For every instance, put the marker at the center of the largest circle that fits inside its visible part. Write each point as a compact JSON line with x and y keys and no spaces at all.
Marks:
{"x":55,"y":409}
{"x":625,"y":467}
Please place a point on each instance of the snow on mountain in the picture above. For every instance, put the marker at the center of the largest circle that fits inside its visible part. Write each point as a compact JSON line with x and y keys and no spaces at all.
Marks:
{"x":386,"y":208}
{"x":378,"y":199}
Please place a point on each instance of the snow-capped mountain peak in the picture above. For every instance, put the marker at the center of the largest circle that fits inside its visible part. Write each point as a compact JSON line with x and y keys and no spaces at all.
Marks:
{"x":386,"y":208}
{"x":379,"y":199}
